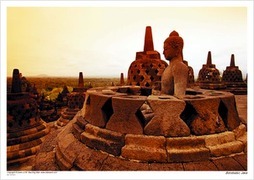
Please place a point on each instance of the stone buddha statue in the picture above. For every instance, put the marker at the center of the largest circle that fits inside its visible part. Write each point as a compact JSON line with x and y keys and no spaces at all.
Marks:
{"x":175,"y":77}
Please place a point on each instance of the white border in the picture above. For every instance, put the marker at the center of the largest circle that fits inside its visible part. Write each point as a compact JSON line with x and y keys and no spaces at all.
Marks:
{"x":123,"y":174}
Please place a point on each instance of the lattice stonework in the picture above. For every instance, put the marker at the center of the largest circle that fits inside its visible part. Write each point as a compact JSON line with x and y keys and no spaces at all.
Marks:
{"x":147,"y":68}
{"x":146,"y":72}
{"x":209,"y":75}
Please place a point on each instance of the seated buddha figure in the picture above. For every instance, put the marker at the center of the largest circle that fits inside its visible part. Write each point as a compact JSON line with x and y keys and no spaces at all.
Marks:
{"x":175,"y":77}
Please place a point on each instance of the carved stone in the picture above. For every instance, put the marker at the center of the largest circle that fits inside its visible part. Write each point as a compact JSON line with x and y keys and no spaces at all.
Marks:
{"x":166,"y":121}
{"x":175,"y":77}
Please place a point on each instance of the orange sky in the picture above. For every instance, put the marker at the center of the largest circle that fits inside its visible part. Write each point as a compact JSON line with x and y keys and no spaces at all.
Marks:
{"x":103,"y":41}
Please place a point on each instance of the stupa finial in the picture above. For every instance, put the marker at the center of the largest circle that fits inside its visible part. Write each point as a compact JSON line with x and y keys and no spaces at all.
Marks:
{"x":209,"y":58}
{"x":148,"y":45}
{"x":232,"y":61}
{"x":16,"y":82}
{"x":80,"y":80}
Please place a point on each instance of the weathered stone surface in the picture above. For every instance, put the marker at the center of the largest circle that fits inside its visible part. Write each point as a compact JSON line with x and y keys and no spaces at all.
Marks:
{"x":77,"y":131}
{"x":119,"y":164}
{"x":231,"y":117}
{"x":81,"y":122}
{"x":209,"y":75}
{"x":227,"y":164}
{"x":62,"y":163}
{"x":186,"y":149}
{"x":45,"y":161}
{"x":166,"y":167}
{"x":200,"y":166}
{"x":166,"y":120}
{"x":95,"y":113}
{"x":65,"y":141}
{"x":16,"y":82}
{"x":207,"y":119}
{"x":241,"y":135}
{"x":223,"y":144}
{"x":242,"y":160}
{"x":174,"y":79}
{"x":25,"y":129}
{"x":233,"y":79}
{"x":103,"y":139}
{"x":145,"y":148}
{"x":221,"y":138}
{"x":89,"y":159}
{"x":124,"y":118}
{"x":147,"y":68}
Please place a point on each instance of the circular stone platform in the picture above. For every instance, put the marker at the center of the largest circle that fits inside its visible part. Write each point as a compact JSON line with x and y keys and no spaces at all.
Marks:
{"x":202,"y":126}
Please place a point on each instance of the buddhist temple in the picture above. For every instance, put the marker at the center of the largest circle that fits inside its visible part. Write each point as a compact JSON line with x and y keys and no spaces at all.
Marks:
{"x":75,"y":101}
{"x":25,"y":129}
{"x":147,"y":67}
{"x":233,"y":78}
{"x":209,"y":76}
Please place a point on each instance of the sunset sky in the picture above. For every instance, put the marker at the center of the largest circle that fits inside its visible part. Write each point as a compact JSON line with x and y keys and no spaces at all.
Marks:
{"x":102,"y":41}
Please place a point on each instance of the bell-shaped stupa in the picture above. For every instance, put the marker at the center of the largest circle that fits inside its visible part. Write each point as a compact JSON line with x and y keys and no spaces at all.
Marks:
{"x":209,"y":76}
{"x":25,"y":129}
{"x":75,"y":101}
{"x":233,"y":78}
{"x":147,"y":68}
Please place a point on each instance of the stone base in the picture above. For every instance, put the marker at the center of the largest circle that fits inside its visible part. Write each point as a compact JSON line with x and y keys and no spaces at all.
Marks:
{"x":22,"y":145}
{"x":141,"y":148}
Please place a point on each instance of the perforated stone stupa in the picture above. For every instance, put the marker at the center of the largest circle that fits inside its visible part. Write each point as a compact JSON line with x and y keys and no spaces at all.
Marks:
{"x":75,"y":102}
{"x":233,"y":78}
{"x":147,"y":68}
{"x":209,"y":76}
{"x":25,"y":129}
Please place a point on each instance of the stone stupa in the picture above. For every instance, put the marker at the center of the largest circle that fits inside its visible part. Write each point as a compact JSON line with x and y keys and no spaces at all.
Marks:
{"x":75,"y":102}
{"x":147,"y":68}
{"x":233,"y":78}
{"x":25,"y":129}
{"x":209,"y":76}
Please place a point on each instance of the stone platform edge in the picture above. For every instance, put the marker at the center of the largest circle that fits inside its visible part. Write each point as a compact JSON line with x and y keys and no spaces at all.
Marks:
{"x":144,"y":148}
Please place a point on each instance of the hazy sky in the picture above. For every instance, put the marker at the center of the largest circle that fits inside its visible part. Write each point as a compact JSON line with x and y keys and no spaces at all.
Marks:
{"x":103,"y":41}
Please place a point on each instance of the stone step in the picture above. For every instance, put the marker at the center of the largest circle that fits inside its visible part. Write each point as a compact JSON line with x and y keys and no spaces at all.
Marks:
{"x":27,"y":132}
{"x":223,"y":144}
{"x":226,"y":148}
{"x":186,"y":149}
{"x":27,"y":138}
{"x":102,"y":139}
{"x":145,"y":148}
{"x":16,"y":155}
{"x":61,"y":161}
{"x":77,"y":131}
{"x":81,"y":122}
{"x":20,"y":161}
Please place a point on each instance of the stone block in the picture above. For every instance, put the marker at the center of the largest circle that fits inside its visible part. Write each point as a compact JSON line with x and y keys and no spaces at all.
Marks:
{"x":66,"y":140}
{"x":145,"y":148}
{"x":81,"y":122}
{"x":124,"y":118}
{"x":223,"y":144}
{"x":207,"y":119}
{"x":62,"y":163}
{"x":231,"y":118}
{"x":98,"y":109}
{"x":240,"y":131}
{"x":89,"y":159}
{"x":77,"y":130}
{"x":186,"y":149}
{"x":103,"y":139}
{"x":166,"y":120}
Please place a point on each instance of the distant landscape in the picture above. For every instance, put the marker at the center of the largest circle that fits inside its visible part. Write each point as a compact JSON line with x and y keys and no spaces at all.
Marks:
{"x":53,"y":85}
